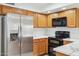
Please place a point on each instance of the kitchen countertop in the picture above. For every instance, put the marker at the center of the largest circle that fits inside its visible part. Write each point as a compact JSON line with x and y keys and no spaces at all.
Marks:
{"x":71,"y":39}
{"x":67,"y":39}
{"x":38,"y":37}
{"x":71,"y":49}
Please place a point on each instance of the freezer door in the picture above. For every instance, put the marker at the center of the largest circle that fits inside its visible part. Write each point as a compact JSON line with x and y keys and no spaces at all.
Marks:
{"x":13,"y":34}
{"x":0,"y":33}
{"x":27,"y":35}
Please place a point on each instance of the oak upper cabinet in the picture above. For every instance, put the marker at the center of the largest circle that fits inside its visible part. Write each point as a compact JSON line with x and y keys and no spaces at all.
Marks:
{"x":30,"y":13}
{"x":70,"y":14}
{"x":62,"y":14}
{"x":35,"y":20}
{"x":71,"y":18}
{"x":42,"y":21}
{"x":20,"y":11}
{"x":7,"y":9}
{"x":50,"y":17}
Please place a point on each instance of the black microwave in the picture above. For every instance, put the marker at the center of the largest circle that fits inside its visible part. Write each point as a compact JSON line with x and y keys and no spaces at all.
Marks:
{"x":59,"y":22}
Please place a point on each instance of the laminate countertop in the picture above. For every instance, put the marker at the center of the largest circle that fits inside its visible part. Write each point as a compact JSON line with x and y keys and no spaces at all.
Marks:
{"x":71,"y":49}
{"x":71,"y":39}
{"x":38,"y":37}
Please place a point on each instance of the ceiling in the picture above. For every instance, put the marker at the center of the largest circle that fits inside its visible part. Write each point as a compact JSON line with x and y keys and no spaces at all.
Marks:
{"x":36,"y":6}
{"x":45,"y":7}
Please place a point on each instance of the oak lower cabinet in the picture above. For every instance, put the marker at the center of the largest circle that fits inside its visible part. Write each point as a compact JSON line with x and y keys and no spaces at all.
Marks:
{"x":39,"y":46}
{"x":66,"y":42}
{"x":46,"y":47}
{"x":60,"y":54}
{"x":35,"y":47}
{"x":0,"y":9}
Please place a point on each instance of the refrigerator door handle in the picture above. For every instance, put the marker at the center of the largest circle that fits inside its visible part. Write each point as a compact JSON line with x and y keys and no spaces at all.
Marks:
{"x":19,"y":37}
{"x":18,"y":34}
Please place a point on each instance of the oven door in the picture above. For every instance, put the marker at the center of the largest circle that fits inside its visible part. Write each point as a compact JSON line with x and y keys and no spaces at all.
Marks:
{"x":53,"y":43}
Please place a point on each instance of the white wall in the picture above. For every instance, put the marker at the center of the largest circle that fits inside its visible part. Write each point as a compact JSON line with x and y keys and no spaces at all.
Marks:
{"x":74,"y":32}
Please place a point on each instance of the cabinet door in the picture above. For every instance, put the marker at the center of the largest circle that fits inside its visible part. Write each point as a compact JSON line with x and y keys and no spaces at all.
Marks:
{"x":67,"y":42}
{"x":35,"y":47}
{"x":42,"y":47}
{"x":0,"y":9}
{"x":35,"y":20}
{"x":46,"y":43}
{"x":62,"y":14}
{"x":30,"y":13}
{"x":20,"y":11}
{"x":50,"y":17}
{"x":42,"y":22}
{"x":49,"y":21}
{"x":71,"y":21}
{"x":7,"y":9}
{"x":60,"y":54}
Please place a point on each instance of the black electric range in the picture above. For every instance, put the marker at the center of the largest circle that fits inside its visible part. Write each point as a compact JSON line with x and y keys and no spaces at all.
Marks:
{"x":56,"y":41}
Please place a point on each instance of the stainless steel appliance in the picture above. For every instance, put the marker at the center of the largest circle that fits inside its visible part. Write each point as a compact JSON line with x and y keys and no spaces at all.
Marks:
{"x":0,"y":32}
{"x":56,"y":41}
{"x":17,"y":34}
{"x":59,"y":22}
{"x":53,"y":43}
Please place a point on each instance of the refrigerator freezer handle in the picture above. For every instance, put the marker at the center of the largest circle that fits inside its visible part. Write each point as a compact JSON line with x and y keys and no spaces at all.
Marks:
{"x":18,"y":34}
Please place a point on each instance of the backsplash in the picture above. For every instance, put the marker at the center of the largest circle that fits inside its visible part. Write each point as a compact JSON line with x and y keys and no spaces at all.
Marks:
{"x":74,"y":32}
{"x":40,"y":32}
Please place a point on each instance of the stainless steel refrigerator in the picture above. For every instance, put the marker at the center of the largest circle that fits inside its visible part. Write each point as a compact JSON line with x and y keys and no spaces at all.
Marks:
{"x":17,"y":31}
{"x":0,"y":33}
